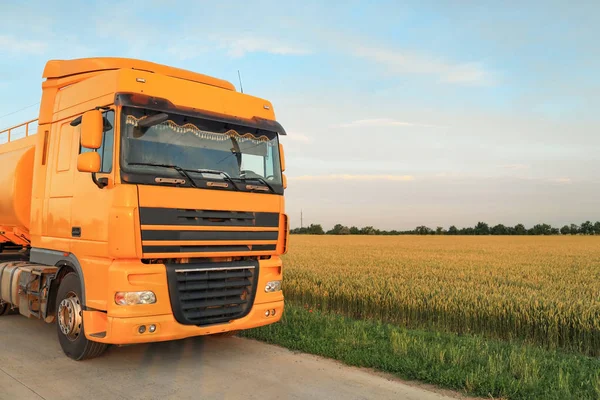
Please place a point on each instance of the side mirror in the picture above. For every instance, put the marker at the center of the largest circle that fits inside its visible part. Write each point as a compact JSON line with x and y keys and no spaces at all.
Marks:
{"x":284,"y":181}
{"x":92,"y":128}
{"x":88,"y":162}
{"x":282,"y":157}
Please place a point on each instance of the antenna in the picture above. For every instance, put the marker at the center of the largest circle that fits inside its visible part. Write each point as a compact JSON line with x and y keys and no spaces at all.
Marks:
{"x":240,"y":78}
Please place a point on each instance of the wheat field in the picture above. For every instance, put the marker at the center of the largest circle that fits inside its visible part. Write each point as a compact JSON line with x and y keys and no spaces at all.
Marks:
{"x":544,"y":290}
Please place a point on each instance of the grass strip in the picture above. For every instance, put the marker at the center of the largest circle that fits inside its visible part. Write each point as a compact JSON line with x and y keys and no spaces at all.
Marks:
{"x":471,"y":364}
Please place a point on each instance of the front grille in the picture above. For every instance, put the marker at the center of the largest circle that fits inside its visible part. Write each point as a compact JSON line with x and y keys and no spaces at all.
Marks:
{"x":212,"y":293}
{"x":177,"y":216}
{"x":208,"y":231}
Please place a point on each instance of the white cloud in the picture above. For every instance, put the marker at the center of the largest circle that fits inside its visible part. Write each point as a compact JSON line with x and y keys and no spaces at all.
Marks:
{"x":185,"y":50}
{"x":239,"y":46}
{"x":348,"y":177}
{"x":298,"y":137}
{"x":11,"y":44}
{"x":564,"y":181}
{"x":382,"y":122}
{"x":471,"y":73}
{"x":514,"y":166}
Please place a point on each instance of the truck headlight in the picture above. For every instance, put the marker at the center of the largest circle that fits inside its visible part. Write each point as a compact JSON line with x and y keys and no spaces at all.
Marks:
{"x":273,"y":286}
{"x":132,"y":298}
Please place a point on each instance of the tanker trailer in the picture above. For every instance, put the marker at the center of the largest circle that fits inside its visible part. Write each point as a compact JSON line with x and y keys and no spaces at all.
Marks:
{"x":16,"y":175}
{"x":22,"y":284}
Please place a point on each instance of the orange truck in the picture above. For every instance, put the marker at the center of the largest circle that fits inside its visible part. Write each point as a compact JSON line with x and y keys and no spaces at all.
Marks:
{"x":147,"y":206}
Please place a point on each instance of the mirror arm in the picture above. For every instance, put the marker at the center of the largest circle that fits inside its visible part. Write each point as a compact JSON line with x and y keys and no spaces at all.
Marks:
{"x":101,"y":183}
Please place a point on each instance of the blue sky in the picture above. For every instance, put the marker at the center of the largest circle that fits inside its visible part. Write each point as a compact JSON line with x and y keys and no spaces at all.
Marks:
{"x":398,"y":113}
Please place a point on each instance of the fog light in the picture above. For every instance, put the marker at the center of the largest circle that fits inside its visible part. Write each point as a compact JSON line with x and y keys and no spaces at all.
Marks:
{"x":142,"y":329}
{"x":267,"y":313}
{"x":273,"y":286}
{"x":132,"y":298}
{"x":272,"y":312}
{"x":152,"y":328}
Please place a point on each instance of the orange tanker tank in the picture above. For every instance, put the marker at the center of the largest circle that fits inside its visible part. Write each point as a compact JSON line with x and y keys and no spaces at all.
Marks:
{"x":16,"y":174}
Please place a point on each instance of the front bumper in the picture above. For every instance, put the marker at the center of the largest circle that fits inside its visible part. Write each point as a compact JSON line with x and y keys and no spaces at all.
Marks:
{"x":120,"y":324}
{"x":126,"y":330}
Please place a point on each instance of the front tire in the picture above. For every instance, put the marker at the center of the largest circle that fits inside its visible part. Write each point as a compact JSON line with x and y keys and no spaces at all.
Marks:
{"x":4,"y":309}
{"x":69,"y":322}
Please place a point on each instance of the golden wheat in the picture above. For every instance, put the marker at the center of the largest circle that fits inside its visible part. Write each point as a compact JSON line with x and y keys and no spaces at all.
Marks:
{"x":545,"y":290}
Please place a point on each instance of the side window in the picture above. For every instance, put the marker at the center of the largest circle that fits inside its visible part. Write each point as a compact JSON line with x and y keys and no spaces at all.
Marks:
{"x":106,"y":149}
{"x":65,"y":148}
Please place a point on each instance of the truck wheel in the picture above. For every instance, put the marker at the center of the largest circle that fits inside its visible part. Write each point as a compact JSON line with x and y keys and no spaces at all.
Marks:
{"x":69,"y":322}
{"x":4,"y":309}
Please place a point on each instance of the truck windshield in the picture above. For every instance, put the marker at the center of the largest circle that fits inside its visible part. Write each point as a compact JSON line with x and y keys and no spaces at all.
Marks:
{"x":198,"y":144}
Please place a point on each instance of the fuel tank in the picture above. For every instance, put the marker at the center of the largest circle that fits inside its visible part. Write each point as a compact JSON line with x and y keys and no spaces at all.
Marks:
{"x":26,"y":286}
{"x":9,"y":282}
{"x":16,"y":176}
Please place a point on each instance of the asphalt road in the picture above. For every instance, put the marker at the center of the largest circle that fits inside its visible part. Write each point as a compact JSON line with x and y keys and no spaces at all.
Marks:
{"x":32,"y":366}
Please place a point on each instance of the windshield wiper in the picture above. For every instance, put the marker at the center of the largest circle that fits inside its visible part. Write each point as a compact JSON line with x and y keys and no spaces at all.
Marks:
{"x":261,"y":180}
{"x":175,"y":167}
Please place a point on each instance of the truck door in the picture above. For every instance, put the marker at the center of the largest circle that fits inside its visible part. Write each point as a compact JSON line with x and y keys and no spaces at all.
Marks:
{"x":61,"y":172}
{"x":91,"y":204}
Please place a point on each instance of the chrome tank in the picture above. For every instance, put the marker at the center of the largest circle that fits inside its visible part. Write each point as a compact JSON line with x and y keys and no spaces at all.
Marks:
{"x":9,"y":282}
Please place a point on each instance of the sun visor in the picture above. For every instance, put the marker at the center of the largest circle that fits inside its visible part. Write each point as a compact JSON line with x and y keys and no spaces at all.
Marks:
{"x":164,"y":105}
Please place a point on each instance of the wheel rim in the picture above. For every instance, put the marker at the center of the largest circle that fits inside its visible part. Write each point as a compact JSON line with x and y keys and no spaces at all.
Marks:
{"x":70,"y":318}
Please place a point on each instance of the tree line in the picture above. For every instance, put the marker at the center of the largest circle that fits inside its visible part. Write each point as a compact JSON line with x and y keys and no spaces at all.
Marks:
{"x":482,"y":228}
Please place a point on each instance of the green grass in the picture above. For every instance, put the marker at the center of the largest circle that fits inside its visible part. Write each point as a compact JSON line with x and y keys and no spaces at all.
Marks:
{"x":472,"y":364}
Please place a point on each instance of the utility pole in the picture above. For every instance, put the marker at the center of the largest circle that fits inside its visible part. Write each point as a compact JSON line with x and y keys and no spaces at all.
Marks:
{"x":301,"y":220}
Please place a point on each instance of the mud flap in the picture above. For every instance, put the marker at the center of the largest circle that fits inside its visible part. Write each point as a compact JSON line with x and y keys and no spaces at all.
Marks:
{"x":96,"y":325}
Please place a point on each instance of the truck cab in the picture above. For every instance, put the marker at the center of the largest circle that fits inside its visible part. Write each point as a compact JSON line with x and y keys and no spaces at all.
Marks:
{"x":155,"y":209}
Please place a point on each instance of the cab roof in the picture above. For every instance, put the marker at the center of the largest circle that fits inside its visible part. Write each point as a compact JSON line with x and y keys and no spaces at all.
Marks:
{"x":62,"y":68}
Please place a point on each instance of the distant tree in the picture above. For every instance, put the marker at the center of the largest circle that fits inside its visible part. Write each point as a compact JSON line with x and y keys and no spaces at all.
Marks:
{"x":541,"y":229}
{"x":574,"y":229}
{"x":422,"y":230}
{"x":344,"y":231}
{"x":299,"y":231}
{"x":482,"y":229}
{"x":315,"y":229}
{"x":336,"y":230}
{"x":367,"y":230}
{"x":586,"y":228}
{"x":520,"y":229}
{"x":499,"y":230}
{"x":467,"y":231}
